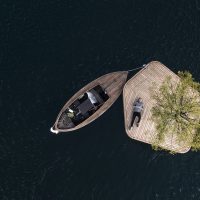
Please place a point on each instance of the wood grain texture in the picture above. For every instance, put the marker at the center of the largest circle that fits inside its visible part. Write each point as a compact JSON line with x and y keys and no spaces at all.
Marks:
{"x":138,"y":86}
{"x":113,"y":83}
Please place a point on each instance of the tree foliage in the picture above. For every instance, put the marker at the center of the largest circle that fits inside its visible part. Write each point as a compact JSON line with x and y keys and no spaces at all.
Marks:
{"x":177,"y":110}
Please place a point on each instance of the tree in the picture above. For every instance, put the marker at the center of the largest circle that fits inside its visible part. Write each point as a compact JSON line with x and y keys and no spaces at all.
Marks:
{"x":177,"y":110}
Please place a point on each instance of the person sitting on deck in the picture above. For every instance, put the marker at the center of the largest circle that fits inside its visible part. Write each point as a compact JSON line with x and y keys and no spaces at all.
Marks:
{"x":92,"y":98}
{"x":137,"y":109}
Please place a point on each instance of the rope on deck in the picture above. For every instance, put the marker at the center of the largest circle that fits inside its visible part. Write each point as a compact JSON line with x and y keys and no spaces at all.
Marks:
{"x":143,"y":66}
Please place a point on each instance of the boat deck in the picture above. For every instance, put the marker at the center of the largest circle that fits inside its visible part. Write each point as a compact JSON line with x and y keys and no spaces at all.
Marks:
{"x":138,"y":86}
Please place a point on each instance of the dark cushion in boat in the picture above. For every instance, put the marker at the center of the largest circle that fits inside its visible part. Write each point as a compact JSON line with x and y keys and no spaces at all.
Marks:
{"x":97,"y":96}
{"x":76,"y":103}
{"x":85,"y":106}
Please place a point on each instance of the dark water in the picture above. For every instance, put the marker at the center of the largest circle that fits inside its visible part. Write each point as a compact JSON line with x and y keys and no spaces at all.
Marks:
{"x":49,"y":50}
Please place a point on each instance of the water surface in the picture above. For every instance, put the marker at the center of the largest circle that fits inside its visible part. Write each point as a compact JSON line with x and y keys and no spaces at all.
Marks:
{"x":49,"y":50}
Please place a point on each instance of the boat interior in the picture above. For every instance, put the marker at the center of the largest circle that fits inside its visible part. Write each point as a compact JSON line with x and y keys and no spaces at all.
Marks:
{"x":82,"y":108}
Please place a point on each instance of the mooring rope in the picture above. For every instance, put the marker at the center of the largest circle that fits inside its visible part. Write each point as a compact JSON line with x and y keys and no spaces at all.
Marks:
{"x":143,"y":66}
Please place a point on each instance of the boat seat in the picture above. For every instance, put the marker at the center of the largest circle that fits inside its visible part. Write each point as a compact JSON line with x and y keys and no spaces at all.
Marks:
{"x":75,"y":104}
{"x":97,"y":96}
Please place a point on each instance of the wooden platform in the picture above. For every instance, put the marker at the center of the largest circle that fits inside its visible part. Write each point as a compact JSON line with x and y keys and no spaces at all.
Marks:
{"x":138,"y":86}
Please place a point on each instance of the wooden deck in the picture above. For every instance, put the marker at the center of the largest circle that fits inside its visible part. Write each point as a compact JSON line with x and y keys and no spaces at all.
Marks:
{"x":138,"y":86}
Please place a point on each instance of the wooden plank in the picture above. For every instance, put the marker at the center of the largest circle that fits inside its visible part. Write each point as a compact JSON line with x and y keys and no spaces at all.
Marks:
{"x":138,"y":86}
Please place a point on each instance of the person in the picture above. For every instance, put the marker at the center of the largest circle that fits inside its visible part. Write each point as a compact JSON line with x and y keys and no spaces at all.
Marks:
{"x":92,"y":98}
{"x":137,"y":109}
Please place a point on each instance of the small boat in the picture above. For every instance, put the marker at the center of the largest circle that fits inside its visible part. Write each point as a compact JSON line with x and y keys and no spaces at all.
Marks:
{"x":90,"y":102}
